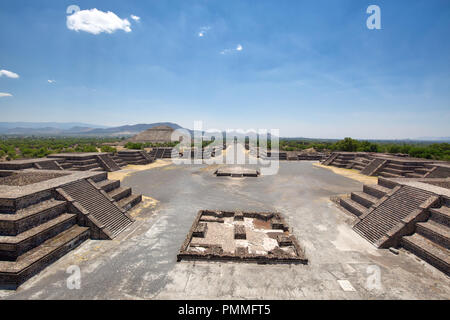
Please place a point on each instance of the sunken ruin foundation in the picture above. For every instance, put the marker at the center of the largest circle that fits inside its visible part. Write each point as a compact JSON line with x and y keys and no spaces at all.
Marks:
{"x":236,"y":172}
{"x":259,"y":237}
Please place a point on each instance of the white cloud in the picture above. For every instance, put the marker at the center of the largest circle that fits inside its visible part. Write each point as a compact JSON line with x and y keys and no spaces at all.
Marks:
{"x":237,"y":49}
{"x":2,"y":95}
{"x":135,"y":18}
{"x":8,"y":74}
{"x":203,"y":31}
{"x":51,"y":81}
{"x":95,"y":21}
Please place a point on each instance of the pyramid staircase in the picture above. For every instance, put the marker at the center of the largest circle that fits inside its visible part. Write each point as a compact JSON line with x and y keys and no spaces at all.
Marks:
{"x":137,"y":157}
{"x":432,"y":170}
{"x":359,"y":163}
{"x":398,"y":169}
{"x":118,"y":161}
{"x":108,"y":163}
{"x":431,"y":239}
{"x":90,"y":164}
{"x":392,"y":215}
{"x":33,"y":235}
{"x":163,"y":153}
{"x":341,"y":159}
{"x":104,"y":202}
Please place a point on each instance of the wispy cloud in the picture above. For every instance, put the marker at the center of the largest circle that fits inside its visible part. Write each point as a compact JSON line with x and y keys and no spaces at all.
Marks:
{"x":135,"y":18}
{"x":8,"y":74}
{"x":237,"y":49}
{"x":95,"y":21}
{"x":203,"y":31}
{"x":3,"y":95}
{"x":51,"y":81}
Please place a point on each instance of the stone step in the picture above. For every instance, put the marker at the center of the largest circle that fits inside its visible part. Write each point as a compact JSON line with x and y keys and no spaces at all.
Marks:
{"x":402,"y":167}
{"x":422,"y":171}
{"x":353,"y":206}
{"x":386,"y":183}
{"x":429,"y":251}
{"x":387,"y":216}
{"x":108,"y":185}
{"x":440,"y":215}
{"x":138,"y":162}
{"x":399,"y":172}
{"x":376,"y":190}
{"x":98,"y":169}
{"x":13,"y":273}
{"x":413,"y":175}
{"x":24,"y":219}
{"x":105,"y":212}
{"x":358,"y":167}
{"x":66,"y":165}
{"x":434,"y":231}
{"x":13,"y":246}
{"x":389,"y":175}
{"x":82,"y":162}
{"x":129,"y":202}
{"x":364,"y":199}
{"x":119,"y":193}
{"x":86,"y":167}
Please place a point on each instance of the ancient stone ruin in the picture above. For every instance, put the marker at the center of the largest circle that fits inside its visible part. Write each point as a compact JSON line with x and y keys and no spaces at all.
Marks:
{"x":390,"y":166}
{"x":408,"y":212}
{"x":46,"y":213}
{"x":261,"y":237}
{"x":236,"y":172}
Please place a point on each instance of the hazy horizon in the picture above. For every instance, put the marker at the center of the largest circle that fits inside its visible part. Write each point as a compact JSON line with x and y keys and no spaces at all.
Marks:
{"x":309,"y":68}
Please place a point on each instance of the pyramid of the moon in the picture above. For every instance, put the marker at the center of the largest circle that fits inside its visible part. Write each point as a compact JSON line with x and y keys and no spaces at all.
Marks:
{"x":159,"y":134}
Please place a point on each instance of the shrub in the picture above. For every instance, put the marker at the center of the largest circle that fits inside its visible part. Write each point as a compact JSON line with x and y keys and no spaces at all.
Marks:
{"x":134,"y":145}
{"x":108,"y":149}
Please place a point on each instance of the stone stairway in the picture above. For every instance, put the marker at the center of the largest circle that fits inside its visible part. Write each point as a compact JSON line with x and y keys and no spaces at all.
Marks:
{"x":111,"y":218}
{"x":123,"y":196}
{"x":50,"y":165}
{"x":118,"y":161}
{"x":137,"y":157}
{"x":398,"y":169}
{"x":387,"y":220}
{"x":431,"y":240}
{"x":108,"y":163}
{"x":373,"y":166}
{"x":359,"y":163}
{"x":35,"y":235}
{"x":330,"y":159}
{"x":360,"y":202}
{"x":341,"y":159}
{"x":85,"y":165}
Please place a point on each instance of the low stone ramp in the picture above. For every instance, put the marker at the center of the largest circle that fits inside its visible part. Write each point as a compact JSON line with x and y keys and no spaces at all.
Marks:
{"x":385,"y":222}
{"x":111,"y":218}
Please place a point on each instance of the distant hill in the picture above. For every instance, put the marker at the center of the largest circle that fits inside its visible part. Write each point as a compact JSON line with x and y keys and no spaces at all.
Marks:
{"x":75,"y":129}
{"x":132,"y":129}
{"x":40,"y":125}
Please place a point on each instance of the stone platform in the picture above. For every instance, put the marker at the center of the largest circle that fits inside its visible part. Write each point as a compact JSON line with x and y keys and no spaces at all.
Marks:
{"x":46,"y":213}
{"x":236,"y":172}
{"x":405,"y":212}
{"x":261,"y":237}
{"x":389,"y":165}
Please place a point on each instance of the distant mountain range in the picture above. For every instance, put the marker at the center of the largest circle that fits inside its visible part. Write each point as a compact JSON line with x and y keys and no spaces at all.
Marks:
{"x":46,"y":129}
{"x":75,"y":129}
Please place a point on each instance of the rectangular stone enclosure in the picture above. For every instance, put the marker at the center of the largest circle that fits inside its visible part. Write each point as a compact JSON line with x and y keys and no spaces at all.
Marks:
{"x":237,"y":172}
{"x":261,"y":237}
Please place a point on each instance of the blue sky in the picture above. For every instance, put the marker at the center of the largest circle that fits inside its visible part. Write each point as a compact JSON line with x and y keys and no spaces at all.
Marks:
{"x":308,"y":68}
